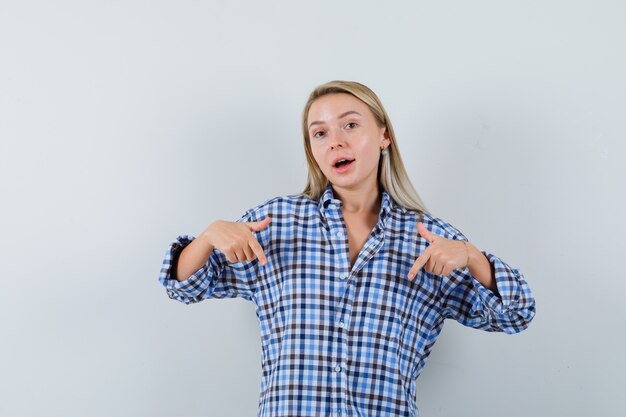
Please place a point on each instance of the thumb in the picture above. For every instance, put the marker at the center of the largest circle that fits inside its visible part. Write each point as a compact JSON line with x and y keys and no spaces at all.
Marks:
{"x":260,"y":225}
{"x":424,"y":232}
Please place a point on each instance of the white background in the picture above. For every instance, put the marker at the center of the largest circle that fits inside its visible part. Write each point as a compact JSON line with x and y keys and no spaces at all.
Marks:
{"x":126,"y":123}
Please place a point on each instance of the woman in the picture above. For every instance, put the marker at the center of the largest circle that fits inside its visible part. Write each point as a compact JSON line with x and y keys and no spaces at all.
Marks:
{"x":353,"y":277}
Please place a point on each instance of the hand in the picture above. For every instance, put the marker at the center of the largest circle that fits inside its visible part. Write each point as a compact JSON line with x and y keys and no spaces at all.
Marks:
{"x":236,"y":241}
{"x":441,"y":257}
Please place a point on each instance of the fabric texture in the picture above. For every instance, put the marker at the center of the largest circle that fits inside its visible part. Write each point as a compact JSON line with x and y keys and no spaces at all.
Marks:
{"x":344,"y":341}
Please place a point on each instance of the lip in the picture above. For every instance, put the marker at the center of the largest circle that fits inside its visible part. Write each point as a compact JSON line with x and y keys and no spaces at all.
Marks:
{"x":339,"y":158}
{"x":344,"y":168}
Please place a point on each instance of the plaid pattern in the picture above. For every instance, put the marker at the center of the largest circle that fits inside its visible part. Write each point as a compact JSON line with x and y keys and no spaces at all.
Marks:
{"x":348,"y":341}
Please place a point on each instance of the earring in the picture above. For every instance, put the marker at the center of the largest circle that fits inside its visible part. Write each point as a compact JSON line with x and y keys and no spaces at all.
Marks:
{"x":384,"y":152}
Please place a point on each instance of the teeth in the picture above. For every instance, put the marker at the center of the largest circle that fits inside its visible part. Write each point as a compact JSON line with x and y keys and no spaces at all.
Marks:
{"x":342,"y":160}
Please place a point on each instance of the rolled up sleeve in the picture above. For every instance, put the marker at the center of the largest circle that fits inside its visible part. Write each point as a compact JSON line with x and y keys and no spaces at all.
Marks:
{"x":217,"y":278}
{"x":466,"y":300}
{"x":470,"y":303}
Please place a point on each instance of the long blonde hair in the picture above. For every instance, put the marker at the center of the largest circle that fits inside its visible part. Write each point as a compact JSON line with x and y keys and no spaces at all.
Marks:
{"x":392,"y":176}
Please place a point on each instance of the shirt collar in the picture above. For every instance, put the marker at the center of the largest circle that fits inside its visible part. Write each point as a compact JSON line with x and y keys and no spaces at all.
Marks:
{"x":387,"y":204}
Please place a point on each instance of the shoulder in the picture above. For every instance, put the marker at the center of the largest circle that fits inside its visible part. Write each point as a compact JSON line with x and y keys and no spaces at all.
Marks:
{"x":433,"y":223}
{"x":284,"y":205}
{"x":442,"y":227}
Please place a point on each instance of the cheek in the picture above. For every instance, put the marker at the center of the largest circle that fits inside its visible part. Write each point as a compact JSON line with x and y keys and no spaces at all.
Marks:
{"x":370,"y":152}
{"x":317,"y":155}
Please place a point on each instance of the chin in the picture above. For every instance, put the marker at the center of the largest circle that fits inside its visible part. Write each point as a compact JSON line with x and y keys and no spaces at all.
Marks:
{"x":344,"y":183}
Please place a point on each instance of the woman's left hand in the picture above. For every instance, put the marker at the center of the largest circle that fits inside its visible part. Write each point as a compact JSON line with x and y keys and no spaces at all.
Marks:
{"x":442,"y":256}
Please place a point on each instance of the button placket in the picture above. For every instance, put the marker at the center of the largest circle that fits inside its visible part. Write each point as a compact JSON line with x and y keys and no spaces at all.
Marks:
{"x":338,"y":239}
{"x":342,"y":371}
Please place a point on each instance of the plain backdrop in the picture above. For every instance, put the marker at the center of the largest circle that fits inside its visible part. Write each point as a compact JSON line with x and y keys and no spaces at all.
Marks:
{"x":126,"y":123}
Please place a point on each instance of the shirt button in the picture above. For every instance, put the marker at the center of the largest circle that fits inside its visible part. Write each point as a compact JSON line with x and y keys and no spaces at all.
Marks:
{"x":337,"y":368}
{"x":339,"y":234}
{"x":343,"y":276}
{"x":341,"y":324}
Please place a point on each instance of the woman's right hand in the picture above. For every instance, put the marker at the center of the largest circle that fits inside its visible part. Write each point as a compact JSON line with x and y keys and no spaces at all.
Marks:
{"x":236,"y":240}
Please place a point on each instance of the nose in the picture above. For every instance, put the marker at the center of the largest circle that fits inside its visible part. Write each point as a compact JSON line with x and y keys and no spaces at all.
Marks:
{"x":336,"y":139}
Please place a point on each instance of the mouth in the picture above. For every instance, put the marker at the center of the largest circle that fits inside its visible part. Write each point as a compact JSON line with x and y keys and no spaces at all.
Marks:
{"x":343,"y":165}
{"x":343,"y":162}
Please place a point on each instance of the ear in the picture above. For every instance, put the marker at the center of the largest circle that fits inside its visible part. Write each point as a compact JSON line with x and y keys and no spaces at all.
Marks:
{"x":385,"y":137}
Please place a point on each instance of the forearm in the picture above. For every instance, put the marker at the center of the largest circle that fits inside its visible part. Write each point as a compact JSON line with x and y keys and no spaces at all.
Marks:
{"x":193,"y":257}
{"x":481,"y":269}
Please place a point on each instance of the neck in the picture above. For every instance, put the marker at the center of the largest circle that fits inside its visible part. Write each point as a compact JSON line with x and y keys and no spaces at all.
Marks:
{"x":359,"y":201}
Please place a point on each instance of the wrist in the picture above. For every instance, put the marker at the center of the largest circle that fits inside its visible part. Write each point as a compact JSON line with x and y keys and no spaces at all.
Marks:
{"x":474,"y":255}
{"x":205,"y":238}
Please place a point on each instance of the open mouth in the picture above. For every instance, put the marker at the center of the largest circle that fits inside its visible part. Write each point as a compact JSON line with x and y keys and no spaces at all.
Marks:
{"x":343,"y":163}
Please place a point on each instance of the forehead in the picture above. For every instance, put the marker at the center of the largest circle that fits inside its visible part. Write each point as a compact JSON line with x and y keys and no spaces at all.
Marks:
{"x":332,"y":105}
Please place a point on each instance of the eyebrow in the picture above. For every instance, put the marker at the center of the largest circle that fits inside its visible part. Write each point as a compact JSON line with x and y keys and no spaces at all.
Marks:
{"x":341,"y":116}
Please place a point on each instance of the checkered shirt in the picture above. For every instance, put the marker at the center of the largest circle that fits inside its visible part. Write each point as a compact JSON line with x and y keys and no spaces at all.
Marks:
{"x":340,"y":340}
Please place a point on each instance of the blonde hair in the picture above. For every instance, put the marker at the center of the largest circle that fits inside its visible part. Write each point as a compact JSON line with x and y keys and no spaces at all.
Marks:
{"x":392,"y":176}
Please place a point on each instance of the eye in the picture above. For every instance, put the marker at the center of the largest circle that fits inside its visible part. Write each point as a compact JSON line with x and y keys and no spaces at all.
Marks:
{"x":318,"y":134}
{"x":351,"y":125}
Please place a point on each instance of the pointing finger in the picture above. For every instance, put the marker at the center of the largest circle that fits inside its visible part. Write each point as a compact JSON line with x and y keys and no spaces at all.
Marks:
{"x":419,"y":263}
{"x":258,"y":251}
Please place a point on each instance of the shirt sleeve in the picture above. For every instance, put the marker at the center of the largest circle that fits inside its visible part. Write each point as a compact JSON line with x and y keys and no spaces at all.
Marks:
{"x":217,"y":278}
{"x":467,"y":301}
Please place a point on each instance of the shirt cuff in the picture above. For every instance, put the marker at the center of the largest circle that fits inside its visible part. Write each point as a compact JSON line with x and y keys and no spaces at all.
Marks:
{"x":507,"y":283}
{"x":191,"y":289}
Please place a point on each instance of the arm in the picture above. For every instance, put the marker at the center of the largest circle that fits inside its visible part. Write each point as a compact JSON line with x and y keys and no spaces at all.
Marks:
{"x":482,"y":269}
{"x":195,"y":254}
{"x":477,"y":288}
{"x":500,"y":301}
{"x":193,"y":273}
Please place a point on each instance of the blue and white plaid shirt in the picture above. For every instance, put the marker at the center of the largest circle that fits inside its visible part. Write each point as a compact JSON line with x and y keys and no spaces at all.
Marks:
{"x":347,"y":341}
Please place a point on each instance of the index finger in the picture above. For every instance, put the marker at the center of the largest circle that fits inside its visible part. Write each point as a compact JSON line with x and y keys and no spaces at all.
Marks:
{"x":258,"y":250}
{"x":419,"y":263}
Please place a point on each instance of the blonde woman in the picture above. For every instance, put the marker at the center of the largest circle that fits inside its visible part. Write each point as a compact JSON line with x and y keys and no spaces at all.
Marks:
{"x":353,"y":278}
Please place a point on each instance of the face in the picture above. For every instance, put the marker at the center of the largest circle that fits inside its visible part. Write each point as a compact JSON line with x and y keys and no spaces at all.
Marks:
{"x":343,"y":127}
